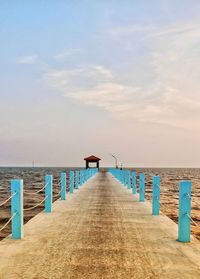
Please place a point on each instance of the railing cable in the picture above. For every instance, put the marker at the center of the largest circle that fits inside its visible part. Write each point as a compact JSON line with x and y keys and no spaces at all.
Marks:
{"x":10,"y":219}
{"x":33,"y":207}
{"x":191,"y":219}
{"x":37,"y":192}
{"x":58,"y":194}
{"x":8,"y":199}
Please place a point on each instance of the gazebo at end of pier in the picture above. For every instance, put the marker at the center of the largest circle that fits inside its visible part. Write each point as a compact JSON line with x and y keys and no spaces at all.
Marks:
{"x":92,"y":159}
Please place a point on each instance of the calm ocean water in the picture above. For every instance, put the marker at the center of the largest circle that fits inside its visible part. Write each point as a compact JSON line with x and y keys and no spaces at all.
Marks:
{"x":31,"y":176}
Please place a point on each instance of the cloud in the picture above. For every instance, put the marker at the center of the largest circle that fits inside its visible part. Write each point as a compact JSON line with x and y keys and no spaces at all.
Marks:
{"x":31,"y":59}
{"x":128,"y":30}
{"x":161,"y":87}
{"x":111,"y":96}
{"x":94,"y":85}
{"x":79,"y":78}
{"x":67,"y":53}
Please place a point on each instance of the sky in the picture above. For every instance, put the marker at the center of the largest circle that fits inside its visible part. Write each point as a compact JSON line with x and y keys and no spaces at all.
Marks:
{"x":98,"y":77}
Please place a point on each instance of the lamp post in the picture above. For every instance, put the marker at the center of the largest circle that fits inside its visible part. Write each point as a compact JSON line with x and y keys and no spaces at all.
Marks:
{"x":115,"y":158}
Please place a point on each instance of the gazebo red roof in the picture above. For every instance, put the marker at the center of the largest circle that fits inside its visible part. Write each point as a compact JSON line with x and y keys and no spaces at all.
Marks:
{"x":92,"y":158}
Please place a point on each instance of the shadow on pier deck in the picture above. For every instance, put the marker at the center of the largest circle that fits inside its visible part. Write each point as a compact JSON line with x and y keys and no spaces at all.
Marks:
{"x":101,"y":231}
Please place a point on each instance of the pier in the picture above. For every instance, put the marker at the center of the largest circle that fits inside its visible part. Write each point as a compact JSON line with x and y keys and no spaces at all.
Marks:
{"x":102,"y":230}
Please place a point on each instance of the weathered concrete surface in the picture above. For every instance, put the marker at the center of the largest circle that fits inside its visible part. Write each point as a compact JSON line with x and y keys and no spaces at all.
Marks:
{"x":101,"y":231}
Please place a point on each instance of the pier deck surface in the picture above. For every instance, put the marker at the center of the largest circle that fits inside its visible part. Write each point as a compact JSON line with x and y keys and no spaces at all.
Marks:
{"x":101,"y":231}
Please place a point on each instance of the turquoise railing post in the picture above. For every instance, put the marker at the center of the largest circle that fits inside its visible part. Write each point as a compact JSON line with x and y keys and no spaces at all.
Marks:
{"x":84,"y":175}
{"x":71,"y":182}
{"x":63,"y":185}
{"x":142,"y":187}
{"x":77,"y":177}
{"x":48,"y":193}
{"x":17,"y":208}
{"x":134,"y":189}
{"x":121,"y":176}
{"x":156,"y":196}
{"x":128,"y":180}
{"x":80,"y":177}
{"x":184,"y":211}
{"x":82,"y":172}
{"x":124,"y":178}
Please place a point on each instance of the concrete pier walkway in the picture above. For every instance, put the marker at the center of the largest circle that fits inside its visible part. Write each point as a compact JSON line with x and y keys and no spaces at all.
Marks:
{"x":101,"y":231}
